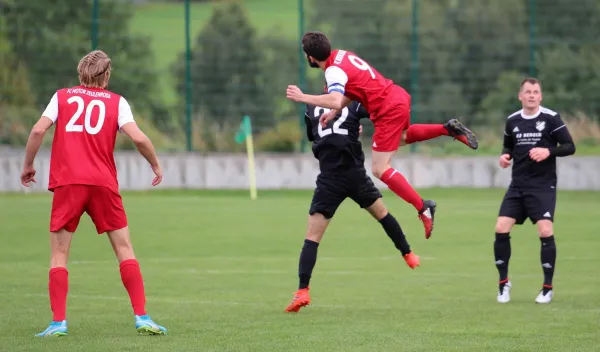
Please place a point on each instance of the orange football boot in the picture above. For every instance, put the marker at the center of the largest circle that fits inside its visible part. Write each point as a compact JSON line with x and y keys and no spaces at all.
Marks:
{"x":301,"y":299}
{"x":412,"y":260}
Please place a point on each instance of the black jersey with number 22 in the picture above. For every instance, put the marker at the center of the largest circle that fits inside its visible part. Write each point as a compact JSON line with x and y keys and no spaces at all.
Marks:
{"x":336,"y":146}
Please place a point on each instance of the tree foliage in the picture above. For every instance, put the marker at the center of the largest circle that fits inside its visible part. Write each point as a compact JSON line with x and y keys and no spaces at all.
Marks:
{"x":236,"y":72}
{"x":16,"y":95}
{"x":50,"y":37}
{"x":472,"y":54}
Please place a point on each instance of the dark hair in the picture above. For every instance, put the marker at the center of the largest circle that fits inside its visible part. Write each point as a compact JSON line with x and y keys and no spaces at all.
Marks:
{"x":317,"y":45}
{"x":530,"y":80}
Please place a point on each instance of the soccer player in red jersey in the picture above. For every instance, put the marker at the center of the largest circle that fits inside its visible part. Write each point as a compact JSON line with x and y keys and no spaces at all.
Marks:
{"x":351,"y":78}
{"x":83,"y":178}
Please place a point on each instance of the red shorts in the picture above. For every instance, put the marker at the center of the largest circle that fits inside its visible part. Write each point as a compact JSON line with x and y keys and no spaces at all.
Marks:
{"x":104,"y":206}
{"x":391,"y":120}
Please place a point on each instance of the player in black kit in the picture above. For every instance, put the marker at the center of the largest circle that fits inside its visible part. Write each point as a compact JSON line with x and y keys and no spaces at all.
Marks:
{"x":341,"y":161}
{"x":533,"y":138}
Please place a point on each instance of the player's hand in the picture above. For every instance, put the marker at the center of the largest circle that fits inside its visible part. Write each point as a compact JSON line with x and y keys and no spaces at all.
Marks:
{"x":539,"y":154}
{"x":327,"y":116}
{"x":359,"y":129}
{"x":295,"y":94}
{"x":28,"y":175}
{"x":504,"y":161}
{"x":158,"y":171}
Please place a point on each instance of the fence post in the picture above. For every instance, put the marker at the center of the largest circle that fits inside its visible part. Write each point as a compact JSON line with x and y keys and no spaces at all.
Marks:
{"x":532,"y":19}
{"x":414,"y":66}
{"x":188,"y":79}
{"x":94,"y":29}
{"x":301,"y":70}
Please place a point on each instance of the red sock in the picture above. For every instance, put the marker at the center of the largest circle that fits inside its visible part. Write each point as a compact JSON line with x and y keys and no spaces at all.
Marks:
{"x":58,"y":287}
{"x":399,"y":185}
{"x":134,"y":284}
{"x":419,"y":133}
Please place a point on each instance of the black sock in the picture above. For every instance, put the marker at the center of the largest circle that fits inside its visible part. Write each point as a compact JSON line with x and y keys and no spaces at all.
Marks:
{"x":502,"y":256}
{"x":548,"y":259}
{"x":394,"y":231}
{"x":308,"y":259}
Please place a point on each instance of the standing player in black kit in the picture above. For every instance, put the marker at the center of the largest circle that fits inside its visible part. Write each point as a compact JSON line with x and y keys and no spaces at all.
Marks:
{"x":533,"y":137}
{"x":341,"y":162}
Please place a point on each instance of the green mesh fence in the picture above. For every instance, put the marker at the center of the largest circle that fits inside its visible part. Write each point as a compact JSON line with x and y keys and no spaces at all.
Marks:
{"x":468,"y":56}
{"x":456,"y":57}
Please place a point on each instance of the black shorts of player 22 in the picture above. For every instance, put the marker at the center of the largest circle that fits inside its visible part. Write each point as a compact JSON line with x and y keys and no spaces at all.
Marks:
{"x":343,"y":175}
{"x":533,"y":138}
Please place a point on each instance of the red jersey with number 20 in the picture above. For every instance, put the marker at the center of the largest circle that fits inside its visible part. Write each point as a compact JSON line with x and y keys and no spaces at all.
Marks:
{"x":352,"y":76}
{"x":86,"y":124}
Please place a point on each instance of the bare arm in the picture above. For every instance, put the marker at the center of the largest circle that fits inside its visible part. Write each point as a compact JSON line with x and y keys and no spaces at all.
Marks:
{"x":142,"y":142}
{"x":36,"y":137}
{"x":145,"y":147}
{"x":333,"y":100}
{"x":346,"y":101}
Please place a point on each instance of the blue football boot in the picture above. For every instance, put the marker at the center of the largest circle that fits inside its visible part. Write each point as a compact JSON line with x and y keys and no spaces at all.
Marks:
{"x":56,"y":328}
{"x":145,"y":326}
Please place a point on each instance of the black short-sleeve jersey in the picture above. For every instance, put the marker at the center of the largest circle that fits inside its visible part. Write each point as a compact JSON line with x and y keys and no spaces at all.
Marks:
{"x":336,"y":146}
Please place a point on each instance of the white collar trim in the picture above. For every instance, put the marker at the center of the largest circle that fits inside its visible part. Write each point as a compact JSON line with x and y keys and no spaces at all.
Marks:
{"x":529,"y":117}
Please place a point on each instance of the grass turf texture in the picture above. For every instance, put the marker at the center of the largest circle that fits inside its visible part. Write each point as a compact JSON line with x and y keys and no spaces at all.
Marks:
{"x":220,"y":269}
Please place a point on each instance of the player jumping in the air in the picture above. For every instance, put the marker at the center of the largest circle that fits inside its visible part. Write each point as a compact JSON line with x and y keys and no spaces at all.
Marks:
{"x":351,"y":78}
{"x":533,"y":138}
{"x":83,"y":177}
{"x":341,"y":162}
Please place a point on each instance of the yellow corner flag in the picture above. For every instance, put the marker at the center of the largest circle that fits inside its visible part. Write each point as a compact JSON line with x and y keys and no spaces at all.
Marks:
{"x":245,"y":134}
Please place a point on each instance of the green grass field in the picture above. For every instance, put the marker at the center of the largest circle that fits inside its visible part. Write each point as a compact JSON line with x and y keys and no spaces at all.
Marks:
{"x":220,"y":269}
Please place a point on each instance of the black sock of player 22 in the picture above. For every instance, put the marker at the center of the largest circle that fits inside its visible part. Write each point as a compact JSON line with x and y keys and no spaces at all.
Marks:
{"x":502,"y":255}
{"x":394,"y":231}
{"x":308,"y":259}
{"x":548,"y":259}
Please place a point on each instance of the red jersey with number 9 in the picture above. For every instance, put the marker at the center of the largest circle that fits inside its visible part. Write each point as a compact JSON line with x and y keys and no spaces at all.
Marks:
{"x":86,"y":124}
{"x":352,"y":76}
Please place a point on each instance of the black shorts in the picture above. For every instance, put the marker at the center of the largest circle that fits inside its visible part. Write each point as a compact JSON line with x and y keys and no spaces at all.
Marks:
{"x":333,"y":188}
{"x":535,"y":204}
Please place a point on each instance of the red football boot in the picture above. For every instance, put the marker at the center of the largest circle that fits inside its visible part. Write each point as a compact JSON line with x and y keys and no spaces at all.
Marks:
{"x":301,"y":299}
{"x":412,"y":260}
{"x":427,"y":216}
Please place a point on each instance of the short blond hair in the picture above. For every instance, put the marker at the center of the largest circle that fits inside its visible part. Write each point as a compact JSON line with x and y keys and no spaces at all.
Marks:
{"x":94,"y":69}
